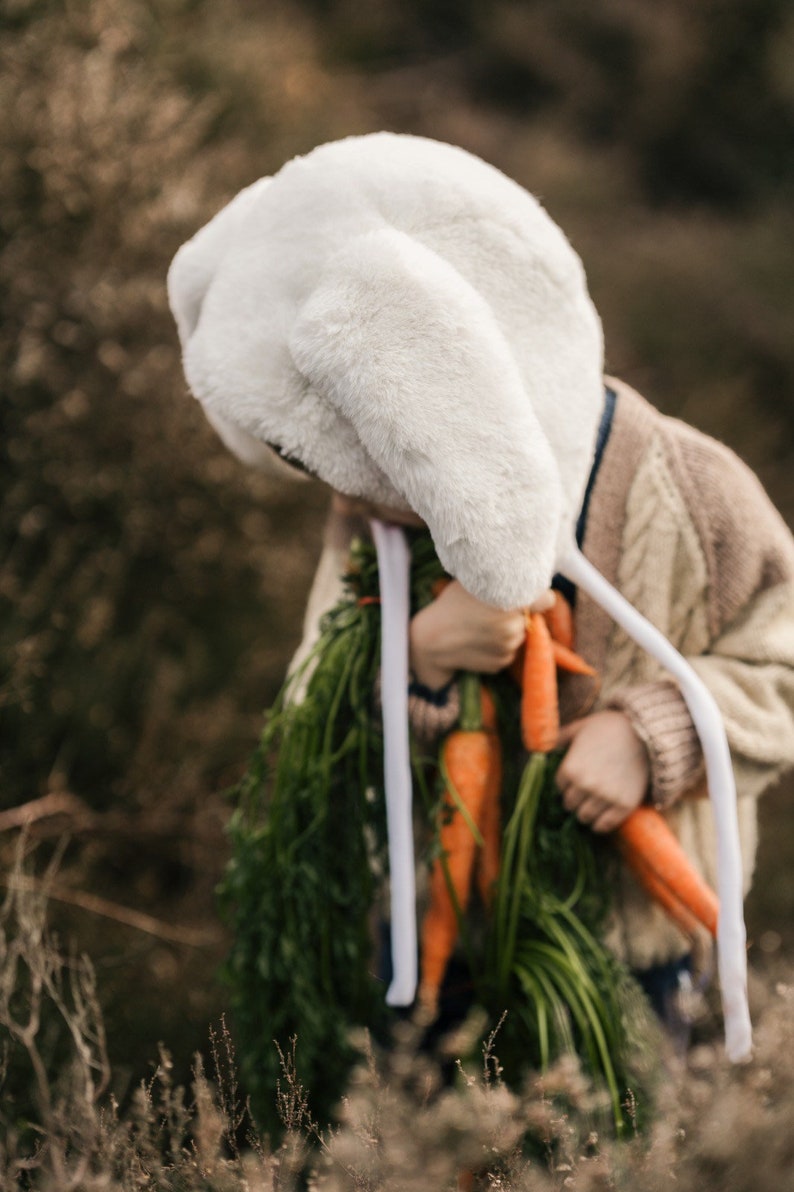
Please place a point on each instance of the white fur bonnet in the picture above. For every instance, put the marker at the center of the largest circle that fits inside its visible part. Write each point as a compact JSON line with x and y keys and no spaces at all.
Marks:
{"x":411,"y":326}
{"x":414,"y":328}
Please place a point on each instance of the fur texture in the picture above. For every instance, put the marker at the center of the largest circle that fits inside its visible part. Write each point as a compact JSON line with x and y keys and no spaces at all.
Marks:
{"x":412,"y":326}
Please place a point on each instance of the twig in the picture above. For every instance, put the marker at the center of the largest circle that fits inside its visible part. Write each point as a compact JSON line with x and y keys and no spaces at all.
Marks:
{"x":192,"y":937}
{"x":56,"y":803}
{"x":109,"y":823}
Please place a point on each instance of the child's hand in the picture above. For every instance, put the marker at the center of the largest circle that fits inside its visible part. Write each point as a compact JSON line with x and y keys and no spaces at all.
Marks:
{"x":606,"y":771}
{"x":458,"y":632}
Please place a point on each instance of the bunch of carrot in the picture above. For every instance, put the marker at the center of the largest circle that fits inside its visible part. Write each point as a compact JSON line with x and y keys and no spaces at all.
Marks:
{"x":469,"y":838}
{"x":469,"y":831}
{"x":469,"y":828}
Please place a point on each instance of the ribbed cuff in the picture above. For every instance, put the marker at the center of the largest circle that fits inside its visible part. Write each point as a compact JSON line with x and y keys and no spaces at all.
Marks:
{"x":431,"y":712}
{"x":437,"y":696}
{"x":661,"y":719}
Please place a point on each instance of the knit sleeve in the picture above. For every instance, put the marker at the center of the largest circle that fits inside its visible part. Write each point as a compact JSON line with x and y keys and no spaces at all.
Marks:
{"x":750,"y":672}
{"x":749,"y":663}
{"x":432,"y":713}
{"x":326,"y":591}
{"x":661,"y":720}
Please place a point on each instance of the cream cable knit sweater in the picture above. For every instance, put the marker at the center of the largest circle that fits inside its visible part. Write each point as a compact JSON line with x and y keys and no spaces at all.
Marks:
{"x":685,"y":531}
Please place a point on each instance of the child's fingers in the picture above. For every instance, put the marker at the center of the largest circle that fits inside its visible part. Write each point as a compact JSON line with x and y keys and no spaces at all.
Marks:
{"x":610,"y":818}
{"x":590,"y":810}
{"x":583,"y":805}
{"x":597,"y":813}
{"x":458,"y":632}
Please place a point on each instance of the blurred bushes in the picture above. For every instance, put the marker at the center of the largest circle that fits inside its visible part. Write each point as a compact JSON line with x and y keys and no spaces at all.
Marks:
{"x":135,"y":573}
{"x":700,"y":96}
{"x":400,"y":1126}
{"x":147,"y":588}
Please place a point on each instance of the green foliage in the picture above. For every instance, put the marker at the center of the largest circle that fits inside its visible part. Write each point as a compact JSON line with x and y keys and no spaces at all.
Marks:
{"x":307,"y":840}
{"x":299,"y":887}
{"x":546,"y":964}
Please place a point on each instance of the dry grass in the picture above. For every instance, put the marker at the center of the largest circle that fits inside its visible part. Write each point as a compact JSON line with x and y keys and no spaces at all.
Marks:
{"x":398,"y":1127}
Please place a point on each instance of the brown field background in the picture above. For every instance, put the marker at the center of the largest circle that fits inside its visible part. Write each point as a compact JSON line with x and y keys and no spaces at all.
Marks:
{"x":151,"y":588}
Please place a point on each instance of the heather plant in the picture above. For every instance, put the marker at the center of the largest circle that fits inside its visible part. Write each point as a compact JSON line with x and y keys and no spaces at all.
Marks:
{"x":399,"y":1124}
{"x":114,"y":518}
{"x":143,"y":625}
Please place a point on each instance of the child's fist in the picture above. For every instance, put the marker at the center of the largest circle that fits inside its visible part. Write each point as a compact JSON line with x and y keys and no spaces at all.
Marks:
{"x":606,"y":770}
{"x":458,"y":632}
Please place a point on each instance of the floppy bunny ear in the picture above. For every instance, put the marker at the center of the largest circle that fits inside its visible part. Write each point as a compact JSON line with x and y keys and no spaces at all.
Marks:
{"x":189,"y":277}
{"x":405,"y":350}
{"x":196,"y":262}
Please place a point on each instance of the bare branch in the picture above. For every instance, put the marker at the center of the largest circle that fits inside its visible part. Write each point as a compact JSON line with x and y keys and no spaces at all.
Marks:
{"x":192,"y":937}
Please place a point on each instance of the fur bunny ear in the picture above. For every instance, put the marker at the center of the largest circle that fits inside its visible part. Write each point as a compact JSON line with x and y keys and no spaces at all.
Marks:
{"x":409,"y":354}
{"x":195,"y":264}
{"x":189,"y":278}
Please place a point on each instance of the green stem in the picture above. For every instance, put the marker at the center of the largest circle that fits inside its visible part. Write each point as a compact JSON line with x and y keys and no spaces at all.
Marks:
{"x":513,"y":873}
{"x":470,"y":702}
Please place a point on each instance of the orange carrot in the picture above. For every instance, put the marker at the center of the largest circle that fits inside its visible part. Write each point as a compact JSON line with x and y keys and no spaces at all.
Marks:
{"x":660,"y":892}
{"x":490,"y":825}
{"x":646,"y":840}
{"x":566,"y":659}
{"x":467,"y":761}
{"x":559,"y":619}
{"x":540,"y":717}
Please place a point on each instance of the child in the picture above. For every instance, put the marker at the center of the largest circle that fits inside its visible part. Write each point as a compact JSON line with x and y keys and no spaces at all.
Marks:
{"x":409,"y":325}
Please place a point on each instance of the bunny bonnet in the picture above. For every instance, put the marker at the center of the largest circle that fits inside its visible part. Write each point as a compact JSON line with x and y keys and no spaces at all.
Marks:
{"x":412,"y":327}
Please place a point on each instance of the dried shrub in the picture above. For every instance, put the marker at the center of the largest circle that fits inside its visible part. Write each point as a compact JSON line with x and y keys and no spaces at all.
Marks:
{"x":399,"y":1125}
{"x":144,"y":624}
{"x":134,"y":581}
